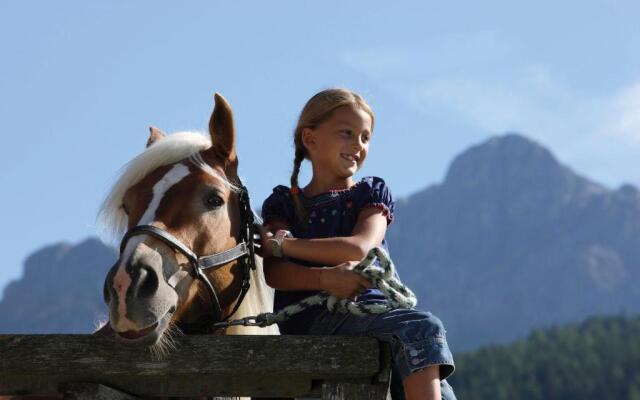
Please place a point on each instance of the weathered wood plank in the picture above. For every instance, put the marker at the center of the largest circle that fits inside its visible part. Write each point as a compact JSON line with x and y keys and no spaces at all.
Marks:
{"x":376,"y":389}
{"x":351,"y":391}
{"x":92,"y":391}
{"x":267,"y":366}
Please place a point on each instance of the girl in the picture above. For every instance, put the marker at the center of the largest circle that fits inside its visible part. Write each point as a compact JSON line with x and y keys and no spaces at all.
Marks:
{"x":313,"y":236}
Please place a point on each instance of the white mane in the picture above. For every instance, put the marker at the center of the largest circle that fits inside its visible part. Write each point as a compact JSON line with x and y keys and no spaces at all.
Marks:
{"x":168,"y":150}
{"x":259,"y":299}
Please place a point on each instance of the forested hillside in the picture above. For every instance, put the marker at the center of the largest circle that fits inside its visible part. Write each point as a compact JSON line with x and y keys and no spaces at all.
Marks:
{"x":597,"y":359}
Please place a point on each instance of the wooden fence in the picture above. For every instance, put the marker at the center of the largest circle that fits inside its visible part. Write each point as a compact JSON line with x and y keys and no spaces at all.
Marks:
{"x":85,"y":366}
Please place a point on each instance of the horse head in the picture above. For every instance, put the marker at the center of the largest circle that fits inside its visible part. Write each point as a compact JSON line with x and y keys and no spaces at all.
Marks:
{"x":180,"y":199}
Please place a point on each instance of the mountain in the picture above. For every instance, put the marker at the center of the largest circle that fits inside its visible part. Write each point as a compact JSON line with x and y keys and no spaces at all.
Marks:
{"x":60,"y":290}
{"x":512,"y":240}
{"x":596,"y":359}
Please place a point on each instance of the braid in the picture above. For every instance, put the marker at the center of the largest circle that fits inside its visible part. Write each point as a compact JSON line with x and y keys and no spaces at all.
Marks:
{"x":301,"y":213}
{"x":297,"y":162}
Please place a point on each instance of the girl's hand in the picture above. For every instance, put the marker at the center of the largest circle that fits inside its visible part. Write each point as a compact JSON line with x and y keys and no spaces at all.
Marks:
{"x":342,"y":282}
{"x":265,"y":247}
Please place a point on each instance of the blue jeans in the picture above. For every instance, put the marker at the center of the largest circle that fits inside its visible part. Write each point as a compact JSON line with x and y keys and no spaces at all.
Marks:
{"x":417,"y":340}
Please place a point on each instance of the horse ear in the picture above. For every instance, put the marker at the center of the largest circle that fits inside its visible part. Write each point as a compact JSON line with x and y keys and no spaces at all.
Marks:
{"x":155,"y":134}
{"x":221,"y":129}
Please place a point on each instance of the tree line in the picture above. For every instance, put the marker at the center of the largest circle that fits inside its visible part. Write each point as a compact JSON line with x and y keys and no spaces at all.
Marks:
{"x":596,"y":359}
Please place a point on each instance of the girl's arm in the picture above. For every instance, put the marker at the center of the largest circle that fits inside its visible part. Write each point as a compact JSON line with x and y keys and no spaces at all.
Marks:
{"x":338,"y":280}
{"x":368,"y":233}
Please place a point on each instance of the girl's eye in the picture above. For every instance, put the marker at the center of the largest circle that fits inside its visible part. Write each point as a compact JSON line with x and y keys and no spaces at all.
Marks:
{"x":347,"y":132}
{"x":213,"y":201}
{"x":365,"y":138}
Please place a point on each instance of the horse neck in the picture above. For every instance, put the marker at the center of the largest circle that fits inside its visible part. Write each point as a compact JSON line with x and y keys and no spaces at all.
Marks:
{"x":259,"y":299}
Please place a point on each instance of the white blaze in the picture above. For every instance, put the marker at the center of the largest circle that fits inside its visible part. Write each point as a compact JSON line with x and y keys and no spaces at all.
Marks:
{"x":175,"y":175}
{"x":122,"y":280}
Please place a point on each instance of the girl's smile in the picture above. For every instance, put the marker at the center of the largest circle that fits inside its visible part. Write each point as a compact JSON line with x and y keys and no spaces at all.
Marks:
{"x":338,"y":147}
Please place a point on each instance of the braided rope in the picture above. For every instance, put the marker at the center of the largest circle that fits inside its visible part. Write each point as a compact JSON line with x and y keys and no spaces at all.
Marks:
{"x":398,"y":295}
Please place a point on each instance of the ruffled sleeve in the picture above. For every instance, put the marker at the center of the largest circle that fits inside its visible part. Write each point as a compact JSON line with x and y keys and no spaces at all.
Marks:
{"x":375,"y":193}
{"x":278,"y":206}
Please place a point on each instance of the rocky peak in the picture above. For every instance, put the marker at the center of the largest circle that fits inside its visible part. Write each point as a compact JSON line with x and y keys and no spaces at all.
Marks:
{"x":501,"y":159}
{"x":60,"y":290}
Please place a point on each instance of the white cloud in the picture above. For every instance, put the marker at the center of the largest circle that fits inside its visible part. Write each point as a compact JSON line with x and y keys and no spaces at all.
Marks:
{"x":480,"y":79}
{"x":622,"y":116}
{"x":431,"y":57}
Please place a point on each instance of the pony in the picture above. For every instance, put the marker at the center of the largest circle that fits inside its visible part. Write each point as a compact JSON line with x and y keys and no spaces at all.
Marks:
{"x":178,"y":200}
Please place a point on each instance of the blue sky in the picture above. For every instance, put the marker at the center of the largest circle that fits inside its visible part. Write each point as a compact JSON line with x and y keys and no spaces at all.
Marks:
{"x":80,"y":82}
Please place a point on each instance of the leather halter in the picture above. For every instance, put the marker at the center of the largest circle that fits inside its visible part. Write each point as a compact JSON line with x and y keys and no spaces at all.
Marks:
{"x":245,"y":251}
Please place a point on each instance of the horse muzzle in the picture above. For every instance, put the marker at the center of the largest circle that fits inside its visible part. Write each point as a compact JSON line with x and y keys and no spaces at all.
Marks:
{"x":140,"y":301}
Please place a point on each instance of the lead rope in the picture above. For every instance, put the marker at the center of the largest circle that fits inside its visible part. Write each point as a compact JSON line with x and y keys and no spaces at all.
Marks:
{"x":398,"y":295}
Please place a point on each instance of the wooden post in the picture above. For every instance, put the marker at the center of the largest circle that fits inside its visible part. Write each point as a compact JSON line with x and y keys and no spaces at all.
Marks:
{"x":200,"y":365}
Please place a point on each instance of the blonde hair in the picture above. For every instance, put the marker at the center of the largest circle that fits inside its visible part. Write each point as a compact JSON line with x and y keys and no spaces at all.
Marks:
{"x":318,"y":109}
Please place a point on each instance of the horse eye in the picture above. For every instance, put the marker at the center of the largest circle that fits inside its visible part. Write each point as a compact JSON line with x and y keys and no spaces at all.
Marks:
{"x":213,"y":201}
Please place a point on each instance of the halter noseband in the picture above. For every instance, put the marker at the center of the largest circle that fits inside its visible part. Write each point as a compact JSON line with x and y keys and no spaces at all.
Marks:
{"x":244,"y":250}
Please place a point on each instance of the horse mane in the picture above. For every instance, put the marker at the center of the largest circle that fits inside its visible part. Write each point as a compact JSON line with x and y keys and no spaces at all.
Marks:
{"x":112,"y":219}
{"x":259,"y":299}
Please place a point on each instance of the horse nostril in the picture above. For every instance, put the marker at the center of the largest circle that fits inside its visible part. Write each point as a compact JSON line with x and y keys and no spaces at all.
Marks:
{"x":105,"y":293}
{"x":107,"y":288}
{"x":145,"y":281}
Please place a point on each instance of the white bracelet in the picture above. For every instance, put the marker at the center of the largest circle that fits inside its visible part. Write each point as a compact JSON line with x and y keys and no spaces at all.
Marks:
{"x":276,"y":242}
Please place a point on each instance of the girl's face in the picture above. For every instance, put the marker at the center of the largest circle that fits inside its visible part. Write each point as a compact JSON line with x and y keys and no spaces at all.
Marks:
{"x":340,"y":144}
